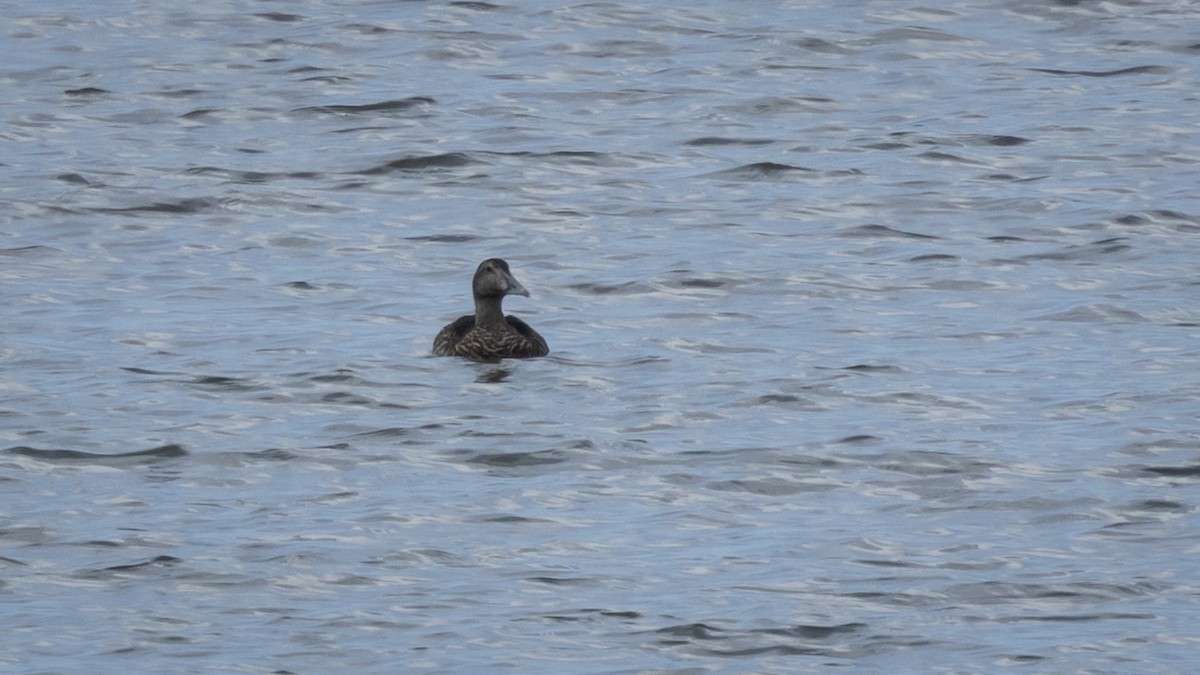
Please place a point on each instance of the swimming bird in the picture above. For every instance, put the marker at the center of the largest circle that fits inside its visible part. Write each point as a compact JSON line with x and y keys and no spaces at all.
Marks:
{"x":488,"y":335}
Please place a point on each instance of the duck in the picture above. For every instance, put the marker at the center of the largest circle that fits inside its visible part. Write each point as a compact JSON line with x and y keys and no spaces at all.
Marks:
{"x":488,"y":335}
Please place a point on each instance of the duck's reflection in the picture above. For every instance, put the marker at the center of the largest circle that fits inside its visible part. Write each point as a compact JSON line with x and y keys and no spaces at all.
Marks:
{"x":493,"y":375}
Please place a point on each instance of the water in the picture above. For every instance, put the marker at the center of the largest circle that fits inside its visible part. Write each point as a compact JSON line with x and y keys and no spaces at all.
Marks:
{"x":873,"y":329}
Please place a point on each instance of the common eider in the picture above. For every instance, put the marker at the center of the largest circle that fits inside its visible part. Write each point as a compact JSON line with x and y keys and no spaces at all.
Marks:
{"x":488,"y":335}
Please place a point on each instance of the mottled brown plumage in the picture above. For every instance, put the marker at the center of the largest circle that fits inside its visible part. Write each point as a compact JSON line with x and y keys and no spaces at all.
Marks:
{"x":488,"y":335}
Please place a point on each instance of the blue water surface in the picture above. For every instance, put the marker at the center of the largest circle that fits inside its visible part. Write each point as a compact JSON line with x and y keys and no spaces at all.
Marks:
{"x":873,"y":334}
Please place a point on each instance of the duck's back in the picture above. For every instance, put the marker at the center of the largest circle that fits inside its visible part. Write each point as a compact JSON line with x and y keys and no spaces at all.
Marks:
{"x":451,"y":335}
{"x":513,"y":339}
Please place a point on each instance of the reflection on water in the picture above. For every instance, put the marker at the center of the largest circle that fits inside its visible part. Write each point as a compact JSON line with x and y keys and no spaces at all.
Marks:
{"x":874,"y":331}
{"x":493,"y":375}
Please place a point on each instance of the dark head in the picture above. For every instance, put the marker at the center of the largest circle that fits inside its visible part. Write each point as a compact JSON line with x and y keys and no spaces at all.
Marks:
{"x":494,"y":280}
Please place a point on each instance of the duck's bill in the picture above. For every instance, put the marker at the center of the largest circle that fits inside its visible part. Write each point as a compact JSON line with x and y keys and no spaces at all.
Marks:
{"x":515,"y":287}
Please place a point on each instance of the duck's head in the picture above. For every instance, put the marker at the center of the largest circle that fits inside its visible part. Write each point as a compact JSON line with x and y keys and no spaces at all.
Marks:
{"x":493,"y":279}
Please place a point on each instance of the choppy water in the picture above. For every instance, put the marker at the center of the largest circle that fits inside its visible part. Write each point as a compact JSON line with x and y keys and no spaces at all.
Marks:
{"x":874,"y":334}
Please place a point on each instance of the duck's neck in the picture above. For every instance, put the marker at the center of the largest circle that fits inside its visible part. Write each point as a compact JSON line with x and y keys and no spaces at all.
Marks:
{"x":487,"y":310}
